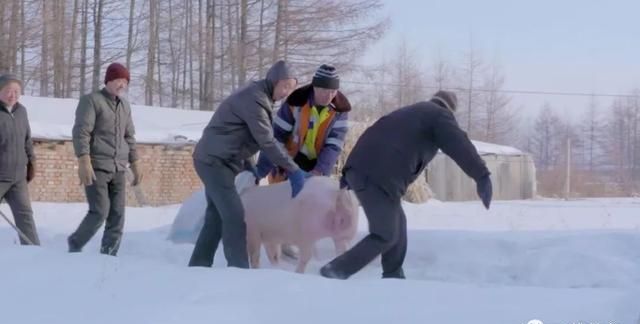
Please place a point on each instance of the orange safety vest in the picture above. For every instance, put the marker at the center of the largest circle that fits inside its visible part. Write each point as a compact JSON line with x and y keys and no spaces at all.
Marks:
{"x":294,"y":143}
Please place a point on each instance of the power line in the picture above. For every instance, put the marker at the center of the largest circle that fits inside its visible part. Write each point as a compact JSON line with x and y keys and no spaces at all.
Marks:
{"x":508,"y":91}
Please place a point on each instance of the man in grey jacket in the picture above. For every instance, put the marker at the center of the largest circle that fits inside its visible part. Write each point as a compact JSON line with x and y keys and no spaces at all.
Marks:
{"x":239,"y":128}
{"x":17,"y":160}
{"x":104,"y":142}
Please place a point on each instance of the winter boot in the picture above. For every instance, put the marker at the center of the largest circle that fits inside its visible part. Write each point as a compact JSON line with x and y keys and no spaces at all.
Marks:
{"x":73,"y":247}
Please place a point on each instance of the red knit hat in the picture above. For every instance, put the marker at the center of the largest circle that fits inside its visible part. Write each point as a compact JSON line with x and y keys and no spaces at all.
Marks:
{"x":116,"y":71}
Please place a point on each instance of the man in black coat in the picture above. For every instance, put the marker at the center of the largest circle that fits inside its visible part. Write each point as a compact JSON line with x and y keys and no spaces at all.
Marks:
{"x":386,"y":159}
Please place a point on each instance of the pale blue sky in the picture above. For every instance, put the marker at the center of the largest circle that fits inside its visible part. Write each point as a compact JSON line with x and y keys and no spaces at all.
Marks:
{"x":562,"y":45}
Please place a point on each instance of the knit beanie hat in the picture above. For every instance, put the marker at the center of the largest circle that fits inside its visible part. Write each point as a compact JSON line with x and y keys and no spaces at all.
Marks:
{"x":326,"y":77}
{"x":446,"y":99}
{"x":116,"y":71}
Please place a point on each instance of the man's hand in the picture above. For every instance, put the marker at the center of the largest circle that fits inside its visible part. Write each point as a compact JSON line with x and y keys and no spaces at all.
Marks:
{"x":297,"y":179}
{"x":137,"y":173}
{"x":31,"y":171}
{"x":85,"y":170}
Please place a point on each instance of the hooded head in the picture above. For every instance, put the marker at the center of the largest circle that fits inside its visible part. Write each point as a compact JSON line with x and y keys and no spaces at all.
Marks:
{"x":280,"y":80}
{"x":446,"y":99}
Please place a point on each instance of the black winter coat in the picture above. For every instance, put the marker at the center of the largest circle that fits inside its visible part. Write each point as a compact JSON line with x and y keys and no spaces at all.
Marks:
{"x":395,"y":150}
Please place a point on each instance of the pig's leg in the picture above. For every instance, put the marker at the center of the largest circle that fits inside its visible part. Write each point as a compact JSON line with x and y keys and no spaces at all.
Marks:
{"x":341,"y":246}
{"x":273,"y":252}
{"x":306,"y":252}
{"x":253,"y":247}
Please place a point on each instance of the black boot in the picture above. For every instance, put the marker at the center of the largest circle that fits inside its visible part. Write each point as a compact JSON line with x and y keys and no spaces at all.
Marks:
{"x":329,"y":271}
{"x":109,"y":250}
{"x":73,"y":247}
{"x":398,"y":274}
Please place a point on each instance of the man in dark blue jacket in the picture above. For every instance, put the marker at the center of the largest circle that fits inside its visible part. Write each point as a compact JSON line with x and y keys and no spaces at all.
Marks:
{"x":386,"y":159}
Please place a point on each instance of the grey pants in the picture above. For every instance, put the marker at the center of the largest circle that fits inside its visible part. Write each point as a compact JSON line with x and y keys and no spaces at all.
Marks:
{"x":107,"y":199}
{"x":387,"y":232}
{"x":224,"y":218}
{"x":17,"y":196}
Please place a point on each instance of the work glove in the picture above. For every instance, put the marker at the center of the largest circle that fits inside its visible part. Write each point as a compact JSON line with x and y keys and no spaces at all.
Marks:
{"x":85,"y":170}
{"x":485,"y":190}
{"x":263,"y":167}
{"x":137,"y":173}
{"x":297,"y":179}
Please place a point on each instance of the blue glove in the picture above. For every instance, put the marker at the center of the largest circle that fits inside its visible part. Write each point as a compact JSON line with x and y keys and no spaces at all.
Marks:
{"x":264,"y":166}
{"x":297,"y":179}
{"x":485,"y":190}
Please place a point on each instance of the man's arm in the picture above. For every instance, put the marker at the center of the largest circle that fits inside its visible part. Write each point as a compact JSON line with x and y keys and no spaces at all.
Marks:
{"x":130,"y":137}
{"x":262,"y":131}
{"x":28,"y":142}
{"x":283,"y":123}
{"x":455,"y":143}
{"x":83,"y":126}
{"x":333,"y":146}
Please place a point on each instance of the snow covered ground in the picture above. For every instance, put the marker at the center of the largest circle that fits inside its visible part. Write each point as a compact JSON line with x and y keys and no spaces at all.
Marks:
{"x":556,"y":261}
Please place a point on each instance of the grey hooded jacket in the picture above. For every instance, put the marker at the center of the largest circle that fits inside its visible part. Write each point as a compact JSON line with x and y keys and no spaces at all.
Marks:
{"x":242,"y":125}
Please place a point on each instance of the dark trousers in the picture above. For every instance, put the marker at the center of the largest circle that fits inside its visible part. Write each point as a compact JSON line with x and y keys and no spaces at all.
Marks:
{"x":224,"y":218}
{"x":387,"y":232}
{"x":17,"y":196}
{"x":107,"y":199}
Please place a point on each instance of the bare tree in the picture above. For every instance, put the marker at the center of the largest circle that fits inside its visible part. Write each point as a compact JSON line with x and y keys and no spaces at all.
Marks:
{"x":23,"y":40}
{"x":14,"y":26}
{"x":83,"y":45}
{"x":151,"y":53}
{"x":214,"y":46}
{"x":260,"y":39}
{"x":497,"y":118}
{"x":623,"y":141}
{"x":4,"y":66}
{"x":132,"y":11}
{"x":546,"y":138}
{"x":242,"y":43}
{"x":98,"y":5}
{"x":280,"y":21}
{"x":72,"y":44}
{"x":470,"y":72}
{"x":592,"y":127}
{"x":407,"y":77}
{"x":59,"y":69}
{"x":210,"y":54}
{"x":44,"y":53}
{"x":442,"y":71}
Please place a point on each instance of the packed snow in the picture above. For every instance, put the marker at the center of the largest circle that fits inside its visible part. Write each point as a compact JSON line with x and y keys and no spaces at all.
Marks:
{"x":551,"y":260}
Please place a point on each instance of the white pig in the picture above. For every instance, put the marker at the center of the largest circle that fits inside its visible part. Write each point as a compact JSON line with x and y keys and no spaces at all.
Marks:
{"x":321,"y":210}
